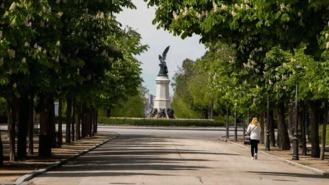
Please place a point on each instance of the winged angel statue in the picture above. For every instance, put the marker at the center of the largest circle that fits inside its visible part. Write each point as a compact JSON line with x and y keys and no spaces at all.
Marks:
{"x":163,"y":66}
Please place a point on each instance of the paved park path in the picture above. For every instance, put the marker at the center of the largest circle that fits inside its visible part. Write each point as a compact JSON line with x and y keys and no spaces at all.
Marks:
{"x":157,"y":160}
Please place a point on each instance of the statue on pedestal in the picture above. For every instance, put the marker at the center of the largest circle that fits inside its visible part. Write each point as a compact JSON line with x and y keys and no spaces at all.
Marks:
{"x":163,"y":66}
{"x":161,"y":106}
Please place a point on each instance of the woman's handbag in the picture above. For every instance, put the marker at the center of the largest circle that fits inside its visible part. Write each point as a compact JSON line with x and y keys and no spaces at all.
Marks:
{"x":246,"y":140}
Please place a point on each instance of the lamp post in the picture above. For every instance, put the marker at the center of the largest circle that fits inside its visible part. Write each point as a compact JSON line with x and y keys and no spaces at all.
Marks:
{"x":295,"y":153}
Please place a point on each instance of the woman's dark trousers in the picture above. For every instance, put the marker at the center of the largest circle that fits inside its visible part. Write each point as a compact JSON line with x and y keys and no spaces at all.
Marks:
{"x":254,"y":146}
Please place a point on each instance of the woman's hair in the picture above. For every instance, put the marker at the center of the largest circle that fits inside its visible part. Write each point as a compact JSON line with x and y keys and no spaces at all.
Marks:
{"x":254,"y":121}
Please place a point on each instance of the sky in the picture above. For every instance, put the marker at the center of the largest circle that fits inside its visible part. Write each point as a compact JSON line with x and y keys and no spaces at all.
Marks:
{"x":140,"y":19}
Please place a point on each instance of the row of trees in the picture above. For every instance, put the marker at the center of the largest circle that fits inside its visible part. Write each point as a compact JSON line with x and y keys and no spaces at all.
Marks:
{"x":261,"y":54}
{"x":70,"y":51}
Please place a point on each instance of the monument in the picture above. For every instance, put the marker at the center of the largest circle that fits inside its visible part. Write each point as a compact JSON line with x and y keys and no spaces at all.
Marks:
{"x":161,"y":106}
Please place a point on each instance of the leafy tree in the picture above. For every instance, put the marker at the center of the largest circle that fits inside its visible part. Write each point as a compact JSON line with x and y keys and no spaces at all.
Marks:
{"x":182,"y":100}
{"x":63,"y":49}
{"x":28,"y":42}
{"x":123,"y":78}
{"x":254,"y":28}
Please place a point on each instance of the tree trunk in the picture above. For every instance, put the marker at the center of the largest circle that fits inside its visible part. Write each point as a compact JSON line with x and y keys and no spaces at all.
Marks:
{"x":1,"y":151}
{"x":60,"y":121}
{"x":291,"y":119}
{"x":31,"y":124}
{"x":302,"y":121}
{"x":78,"y":121}
{"x":89,"y":122}
{"x":211,"y":110}
{"x":52,"y":121}
{"x":324,"y":137}
{"x":84,"y":121}
{"x":227,"y":125}
{"x":68,"y":120}
{"x":283,"y":139}
{"x":235,"y":126}
{"x":73,"y":120}
{"x":95,"y":121}
{"x":12,"y":110}
{"x":243,"y":129}
{"x":324,"y":133}
{"x":22,"y":127}
{"x":86,"y":127}
{"x":272,"y":130}
{"x":46,"y":136}
{"x":108,"y":112}
{"x":314,"y":123}
{"x":262,"y":128}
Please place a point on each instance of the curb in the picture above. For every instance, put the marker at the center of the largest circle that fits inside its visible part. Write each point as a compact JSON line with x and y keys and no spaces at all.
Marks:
{"x":315,"y":170}
{"x":23,"y":179}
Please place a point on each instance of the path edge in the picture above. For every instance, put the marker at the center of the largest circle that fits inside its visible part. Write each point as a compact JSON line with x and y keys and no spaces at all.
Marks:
{"x":23,"y":179}
{"x":290,"y":162}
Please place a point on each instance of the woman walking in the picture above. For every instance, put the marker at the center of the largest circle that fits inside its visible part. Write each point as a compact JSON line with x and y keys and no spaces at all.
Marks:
{"x":254,"y":131}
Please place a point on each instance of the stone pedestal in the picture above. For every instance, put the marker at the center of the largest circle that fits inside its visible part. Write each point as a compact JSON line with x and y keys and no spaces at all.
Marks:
{"x":162,"y":100}
{"x":162,"y":107}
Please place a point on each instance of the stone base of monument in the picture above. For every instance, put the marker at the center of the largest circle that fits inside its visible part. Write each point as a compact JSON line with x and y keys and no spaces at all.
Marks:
{"x":162,"y":108}
{"x":162,"y":113}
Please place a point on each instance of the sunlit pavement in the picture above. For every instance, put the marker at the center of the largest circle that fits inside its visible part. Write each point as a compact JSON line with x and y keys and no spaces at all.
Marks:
{"x":174,"y":156}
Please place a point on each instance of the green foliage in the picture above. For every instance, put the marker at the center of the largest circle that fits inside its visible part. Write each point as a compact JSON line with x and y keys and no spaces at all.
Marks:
{"x":68,"y":48}
{"x":123,"y":79}
{"x":183,"y":109}
{"x":159,"y":122}
{"x":132,"y":106}
{"x":100,"y":52}
{"x":183,"y":101}
{"x":243,"y":21}
{"x":199,"y":86}
{"x":211,"y":83}
{"x":284,"y":70}
{"x":269,"y":38}
{"x":29,"y":46}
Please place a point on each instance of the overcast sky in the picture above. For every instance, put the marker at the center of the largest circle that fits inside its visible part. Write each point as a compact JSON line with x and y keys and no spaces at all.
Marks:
{"x":140,"y":19}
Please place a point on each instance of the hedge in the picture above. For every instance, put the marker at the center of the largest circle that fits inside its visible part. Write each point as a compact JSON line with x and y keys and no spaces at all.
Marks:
{"x":159,"y":122}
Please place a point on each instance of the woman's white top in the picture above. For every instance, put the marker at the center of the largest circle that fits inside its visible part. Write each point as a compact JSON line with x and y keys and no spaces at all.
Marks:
{"x":254,"y":132}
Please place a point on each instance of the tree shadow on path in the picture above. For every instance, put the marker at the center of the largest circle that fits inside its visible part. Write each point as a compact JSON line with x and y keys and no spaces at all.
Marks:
{"x":134,"y":155}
